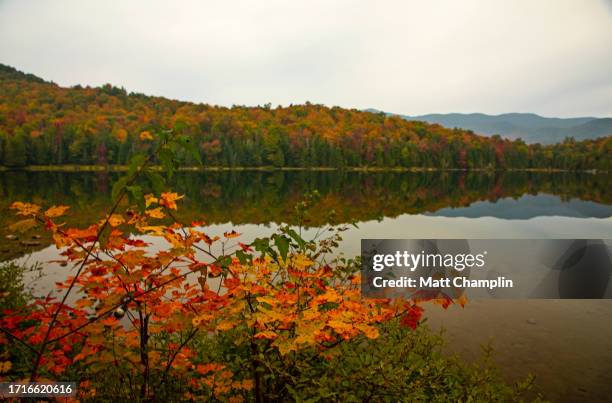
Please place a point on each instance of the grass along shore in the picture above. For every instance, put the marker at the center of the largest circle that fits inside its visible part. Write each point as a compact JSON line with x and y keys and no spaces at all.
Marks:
{"x":122,"y":168}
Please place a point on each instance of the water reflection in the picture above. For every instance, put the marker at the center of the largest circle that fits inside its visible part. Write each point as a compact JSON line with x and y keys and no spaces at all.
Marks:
{"x":257,"y":197}
{"x":383,"y":202}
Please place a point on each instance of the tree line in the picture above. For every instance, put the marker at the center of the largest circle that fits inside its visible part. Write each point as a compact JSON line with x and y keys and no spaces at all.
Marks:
{"x":42,"y":123}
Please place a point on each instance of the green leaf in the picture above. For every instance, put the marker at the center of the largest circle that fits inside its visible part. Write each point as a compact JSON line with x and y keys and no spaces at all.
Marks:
{"x":118,"y":187}
{"x":164,"y":135}
{"x":137,"y":196}
{"x":243,"y":257}
{"x":166,"y":157}
{"x":261,"y":244}
{"x":293,"y":393}
{"x":272,"y":253}
{"x":296,"y":237}
{"x":179,"y":125}
{"x":187,"y":144}
{"x":225,"y":261}
{"x":137,"y":161}
{"x":282,"y":244}
{"x":157,"y":181}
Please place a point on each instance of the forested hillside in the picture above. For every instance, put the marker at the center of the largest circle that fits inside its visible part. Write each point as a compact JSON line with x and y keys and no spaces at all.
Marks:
{"x":42,"y":123}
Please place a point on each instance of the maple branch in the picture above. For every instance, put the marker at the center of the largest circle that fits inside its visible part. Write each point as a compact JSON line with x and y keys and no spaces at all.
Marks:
{"x":23,"y":342}
{"x":178,"y":350}
{"x":125,"y":301}
{"x":135,"y":175}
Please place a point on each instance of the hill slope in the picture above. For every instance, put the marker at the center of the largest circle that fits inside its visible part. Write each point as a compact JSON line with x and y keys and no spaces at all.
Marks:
{"x":42,"y":123}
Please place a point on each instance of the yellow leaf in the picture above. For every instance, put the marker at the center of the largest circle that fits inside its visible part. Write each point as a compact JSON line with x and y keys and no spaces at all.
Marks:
{"x":301,"y":261}
{"x":307,"y":331}
{"x":340,"y":326}
{"x":23,"y":225}
{"x":115,"y":220}
{"x":285,"y":346}
{"x":330,"y":295}
{"x":61,"y":241}
{"x":156,"y":213}
{"x":369,"y":331}
{"x":152,"y":229}
{"x":267,"y":315}
{"x":174,"y":239}
{"x":267,"y":300}
{"x":56,"y":211}
{"x":150,"y":199}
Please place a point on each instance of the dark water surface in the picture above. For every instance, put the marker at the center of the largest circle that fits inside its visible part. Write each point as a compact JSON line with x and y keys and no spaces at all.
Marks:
{"x":567,"y":344}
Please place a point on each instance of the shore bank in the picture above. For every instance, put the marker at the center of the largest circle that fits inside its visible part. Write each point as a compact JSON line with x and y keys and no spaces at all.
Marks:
{"x":122,"y":168}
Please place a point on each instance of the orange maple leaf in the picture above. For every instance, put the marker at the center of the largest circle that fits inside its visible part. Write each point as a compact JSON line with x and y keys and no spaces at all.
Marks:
{"x":25,"y":209}
{"x":56,"y":211}
{"x":210,"y":367}
{"x":169,"y":199}
{"x":231,"y":234}
{"x":267,"y":334}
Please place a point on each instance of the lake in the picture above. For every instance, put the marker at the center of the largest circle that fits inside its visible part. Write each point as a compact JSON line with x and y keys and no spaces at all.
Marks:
{"x":565,"y":343}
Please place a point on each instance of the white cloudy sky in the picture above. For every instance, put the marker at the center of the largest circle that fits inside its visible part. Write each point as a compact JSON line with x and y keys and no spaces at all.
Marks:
{"x":413,"y":57}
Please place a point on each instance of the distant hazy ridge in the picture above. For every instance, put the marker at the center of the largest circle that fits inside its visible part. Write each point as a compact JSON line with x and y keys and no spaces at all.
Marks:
{"x":530,"y":127}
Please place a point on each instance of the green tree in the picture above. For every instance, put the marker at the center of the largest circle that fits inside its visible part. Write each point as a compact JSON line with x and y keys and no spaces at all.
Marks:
{"x":15,"y":151}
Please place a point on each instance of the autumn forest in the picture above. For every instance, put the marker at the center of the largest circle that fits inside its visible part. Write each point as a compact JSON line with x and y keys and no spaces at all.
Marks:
{"x":44,"y":124}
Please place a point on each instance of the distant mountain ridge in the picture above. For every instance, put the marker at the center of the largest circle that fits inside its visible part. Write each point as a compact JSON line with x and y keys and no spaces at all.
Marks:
{"x":530,"y":127}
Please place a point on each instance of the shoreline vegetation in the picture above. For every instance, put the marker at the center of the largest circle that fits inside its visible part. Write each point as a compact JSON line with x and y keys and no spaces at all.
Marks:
{"x":270,"y":168}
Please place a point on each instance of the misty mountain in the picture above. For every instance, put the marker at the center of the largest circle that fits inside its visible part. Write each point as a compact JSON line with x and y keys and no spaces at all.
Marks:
{"x":530,"y":127}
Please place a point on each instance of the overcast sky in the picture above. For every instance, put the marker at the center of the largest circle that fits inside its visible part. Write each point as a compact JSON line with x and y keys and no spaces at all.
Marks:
{"x":493,"y":56}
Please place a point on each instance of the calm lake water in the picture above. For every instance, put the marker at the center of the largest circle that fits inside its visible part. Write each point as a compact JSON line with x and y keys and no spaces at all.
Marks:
{"x":383,"y":205}
{"x":566,"y":344}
